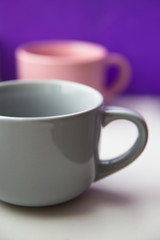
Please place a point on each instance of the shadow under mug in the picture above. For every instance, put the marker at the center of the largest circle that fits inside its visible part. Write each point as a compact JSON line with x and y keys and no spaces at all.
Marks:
{"x":49,"y":136}
{"x":77,"y":61}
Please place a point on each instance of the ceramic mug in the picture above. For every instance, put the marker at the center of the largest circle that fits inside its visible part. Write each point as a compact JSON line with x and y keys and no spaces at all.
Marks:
{"x":77,"y":61}
{"x":49,"y":135}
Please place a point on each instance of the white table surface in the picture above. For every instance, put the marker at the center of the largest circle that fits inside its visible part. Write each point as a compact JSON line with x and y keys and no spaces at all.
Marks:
{"x":123,"y":206}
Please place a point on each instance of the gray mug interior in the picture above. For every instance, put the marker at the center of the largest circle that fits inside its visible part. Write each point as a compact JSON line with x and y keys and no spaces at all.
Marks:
{"x":46,"y":98}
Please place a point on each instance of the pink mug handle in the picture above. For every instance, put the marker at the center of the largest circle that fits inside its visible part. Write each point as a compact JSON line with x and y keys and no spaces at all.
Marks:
{"x":122,"y":80}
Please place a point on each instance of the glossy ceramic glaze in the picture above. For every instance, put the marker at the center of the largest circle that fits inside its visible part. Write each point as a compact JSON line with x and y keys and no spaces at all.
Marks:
{"x":76,"y":61}
{"x":49,"y":141}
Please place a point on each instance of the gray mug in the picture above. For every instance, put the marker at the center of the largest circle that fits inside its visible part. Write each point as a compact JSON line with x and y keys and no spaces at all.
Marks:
{"x":49,"y":135}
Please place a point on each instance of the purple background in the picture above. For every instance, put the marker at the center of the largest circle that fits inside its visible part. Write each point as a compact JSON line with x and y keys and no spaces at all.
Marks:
{"x":128,"y":27}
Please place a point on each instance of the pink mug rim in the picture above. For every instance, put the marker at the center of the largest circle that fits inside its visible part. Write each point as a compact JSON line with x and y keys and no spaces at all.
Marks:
{"x":31,"y":51}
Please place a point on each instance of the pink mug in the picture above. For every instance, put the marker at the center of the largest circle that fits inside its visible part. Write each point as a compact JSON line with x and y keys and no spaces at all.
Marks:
{"x":76,"y":61}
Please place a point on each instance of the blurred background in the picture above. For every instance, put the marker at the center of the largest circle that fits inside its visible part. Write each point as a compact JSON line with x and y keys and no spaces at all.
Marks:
{"x":131,"y":28}
{"x":127,"y":27}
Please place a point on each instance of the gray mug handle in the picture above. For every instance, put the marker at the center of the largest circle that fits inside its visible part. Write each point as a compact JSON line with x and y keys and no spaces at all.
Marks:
{"x":107,"y":167}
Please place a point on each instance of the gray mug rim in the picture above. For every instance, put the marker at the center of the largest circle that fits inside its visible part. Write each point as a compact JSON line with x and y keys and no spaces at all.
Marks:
{"x":15,"y":82}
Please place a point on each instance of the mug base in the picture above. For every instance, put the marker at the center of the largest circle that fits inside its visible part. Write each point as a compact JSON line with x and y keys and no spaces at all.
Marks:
{"x":41,"y":205}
